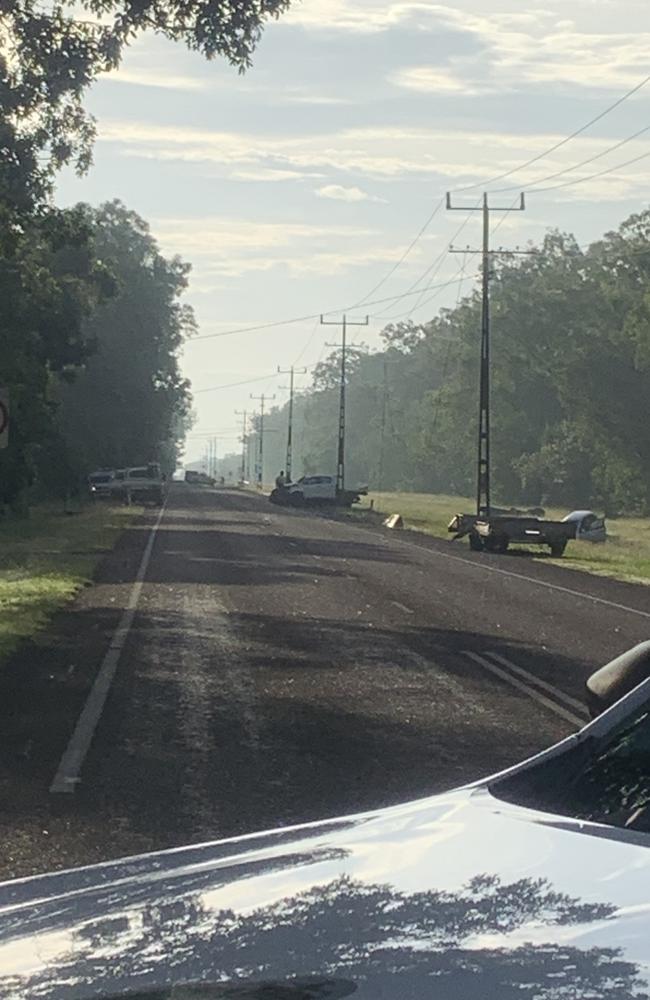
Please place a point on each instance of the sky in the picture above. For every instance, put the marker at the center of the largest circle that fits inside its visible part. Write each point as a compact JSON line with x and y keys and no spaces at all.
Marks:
{"x":296,"y":188}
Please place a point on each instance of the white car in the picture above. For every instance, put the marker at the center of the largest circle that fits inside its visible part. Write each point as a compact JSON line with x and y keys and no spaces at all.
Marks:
{"x":314,"y":489}
{"x":589,"y":527}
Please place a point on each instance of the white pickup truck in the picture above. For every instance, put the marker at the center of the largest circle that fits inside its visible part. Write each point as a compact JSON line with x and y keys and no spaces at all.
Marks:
{"x":316,"y":491}
{"x":141,"y":484}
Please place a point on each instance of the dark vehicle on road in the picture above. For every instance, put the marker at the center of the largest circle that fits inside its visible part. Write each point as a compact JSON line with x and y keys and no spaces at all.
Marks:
{"x":101,"y":484}
{"x":497,"y":531}
{"x":532,"y":883}
{"x":192,"y":476}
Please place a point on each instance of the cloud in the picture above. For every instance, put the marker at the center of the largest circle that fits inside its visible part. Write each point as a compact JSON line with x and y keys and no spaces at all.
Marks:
{"x":221,"y":247}
{"x":154,"y":78}
{"x":535,"y":46}
{"x":446,"y":157}
{"x":429,"y":79}
{"x":339,"y":193}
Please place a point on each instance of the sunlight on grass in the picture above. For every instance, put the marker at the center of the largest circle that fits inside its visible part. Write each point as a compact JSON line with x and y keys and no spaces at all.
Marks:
{"x":46,"y":559}
{"x":625,"y":555}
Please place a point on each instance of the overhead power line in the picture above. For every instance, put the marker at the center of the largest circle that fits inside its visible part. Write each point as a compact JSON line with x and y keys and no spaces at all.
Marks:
{"x":560,"y":143}
{"x":591,"y":177}
{"x":401,"y":260}
{"x":509,"y":173}
{"x":576,"y":166}
{"x":233,"y":385}
{"x":303,"y":319}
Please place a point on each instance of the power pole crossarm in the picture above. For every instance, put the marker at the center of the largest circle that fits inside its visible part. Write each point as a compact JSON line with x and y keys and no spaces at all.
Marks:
{"x":483,"y":498}
{"x":344,"y":323}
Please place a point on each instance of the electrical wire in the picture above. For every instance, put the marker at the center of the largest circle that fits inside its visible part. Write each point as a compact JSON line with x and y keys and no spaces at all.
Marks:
{"x":401,"y":260}
{"x":309,"y":341}
{"x":558,"y":145}
{"x":430,"y":272}
{"x":591,"y":177}
{"x":302,"y":319}
{"x":577,"y":166}
{"x":233,"y":385}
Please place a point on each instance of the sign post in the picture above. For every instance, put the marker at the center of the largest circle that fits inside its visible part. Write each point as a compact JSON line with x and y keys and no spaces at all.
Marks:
{"x":4,"y":418}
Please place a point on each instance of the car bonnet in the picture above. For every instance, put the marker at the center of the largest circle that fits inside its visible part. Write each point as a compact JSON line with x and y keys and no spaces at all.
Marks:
{"x":476,"y":897}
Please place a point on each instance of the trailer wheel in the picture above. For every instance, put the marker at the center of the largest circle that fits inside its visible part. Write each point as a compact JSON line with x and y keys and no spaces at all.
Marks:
{"x":557,"y":549}
{"x":475,"y":542}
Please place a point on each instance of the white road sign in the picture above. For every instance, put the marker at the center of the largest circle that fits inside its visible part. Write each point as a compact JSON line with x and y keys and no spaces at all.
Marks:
{"x":4,"y":418}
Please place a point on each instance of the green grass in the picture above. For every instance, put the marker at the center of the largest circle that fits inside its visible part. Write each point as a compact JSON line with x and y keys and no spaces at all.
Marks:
{"x":625,"y":555}
{"x":45,"y":559}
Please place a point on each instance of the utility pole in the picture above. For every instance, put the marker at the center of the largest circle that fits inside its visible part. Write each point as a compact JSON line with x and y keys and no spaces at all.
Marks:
{"x":384,"y":409}
{"x":483,"y":503}
{"x":340,"y":462}
{"x":290,"y":372}
{"x":242,"y":414}
{"x":260,"y":469}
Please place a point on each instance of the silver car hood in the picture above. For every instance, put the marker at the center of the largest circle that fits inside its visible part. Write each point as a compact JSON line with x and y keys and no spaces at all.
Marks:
{"x":455,"y":897}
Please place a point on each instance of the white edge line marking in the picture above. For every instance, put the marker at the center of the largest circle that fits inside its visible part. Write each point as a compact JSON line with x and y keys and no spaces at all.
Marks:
{"x":69,"y":769}
{"x":556,"y":692}
{"x":402,"y":607}
{"x":528,"y":579}
{"x":535,"y":695}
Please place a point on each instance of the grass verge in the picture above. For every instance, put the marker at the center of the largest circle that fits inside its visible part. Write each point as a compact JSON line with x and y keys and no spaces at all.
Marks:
{"x":625,"y":555}
{"x":45,"y":559}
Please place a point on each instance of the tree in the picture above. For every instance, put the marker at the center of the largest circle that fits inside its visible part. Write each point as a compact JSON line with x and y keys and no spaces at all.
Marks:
{"x":50,"y":55}
{"x":570,"y":384}
{"x":49,"y":281}
{"x":129,"y":404}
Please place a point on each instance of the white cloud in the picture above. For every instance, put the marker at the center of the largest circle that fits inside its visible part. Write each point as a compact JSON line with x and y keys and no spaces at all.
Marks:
{"x":221,"y":247}
{"x":155,"y":78}
{"x":339,"y":193}
{"x":429,"y":79}
{"x":532,"y":46}
{"x":447,"y":157}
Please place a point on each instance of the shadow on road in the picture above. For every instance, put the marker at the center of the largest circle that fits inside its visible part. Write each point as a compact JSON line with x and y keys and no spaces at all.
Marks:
{"x":219,"y":723}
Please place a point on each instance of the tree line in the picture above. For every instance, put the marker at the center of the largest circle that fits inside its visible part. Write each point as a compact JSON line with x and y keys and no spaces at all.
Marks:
{"x":570,"y":386}
{"x":91,"y":318}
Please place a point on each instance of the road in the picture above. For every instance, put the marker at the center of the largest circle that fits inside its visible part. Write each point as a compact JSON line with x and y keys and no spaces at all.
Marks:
{"x":281,"y":667}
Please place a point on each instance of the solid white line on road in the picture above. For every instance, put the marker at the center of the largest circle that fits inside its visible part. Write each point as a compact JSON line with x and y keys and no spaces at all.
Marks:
{"x":528,"y":579}
{"x":69,"y":770}
{"x":556,"y":692}
{"x":402,"y":607}
{"x":541,"y":699}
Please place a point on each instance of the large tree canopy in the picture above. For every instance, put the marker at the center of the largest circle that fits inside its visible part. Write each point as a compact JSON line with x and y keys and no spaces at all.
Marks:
{"x":570,"y":386}
{"x":50,"y":52}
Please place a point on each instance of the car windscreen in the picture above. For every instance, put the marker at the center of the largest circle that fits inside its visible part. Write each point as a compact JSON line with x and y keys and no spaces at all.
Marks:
{"x":139,"y":474}
{"x":604,"y":780}
{"x":99,"y":480}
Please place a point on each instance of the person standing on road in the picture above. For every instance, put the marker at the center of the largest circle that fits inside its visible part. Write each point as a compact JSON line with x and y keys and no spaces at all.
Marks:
{"x":280,"y":480}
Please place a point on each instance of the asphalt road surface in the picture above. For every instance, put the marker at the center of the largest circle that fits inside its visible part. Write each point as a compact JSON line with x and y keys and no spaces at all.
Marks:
{"x":283,"y":666}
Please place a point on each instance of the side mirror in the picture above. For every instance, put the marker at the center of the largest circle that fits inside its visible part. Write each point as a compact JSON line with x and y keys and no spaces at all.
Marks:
{"x":617,"y":678}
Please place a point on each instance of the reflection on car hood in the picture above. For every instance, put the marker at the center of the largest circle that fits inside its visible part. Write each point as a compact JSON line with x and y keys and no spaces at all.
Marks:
{"x":457,"y":897}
